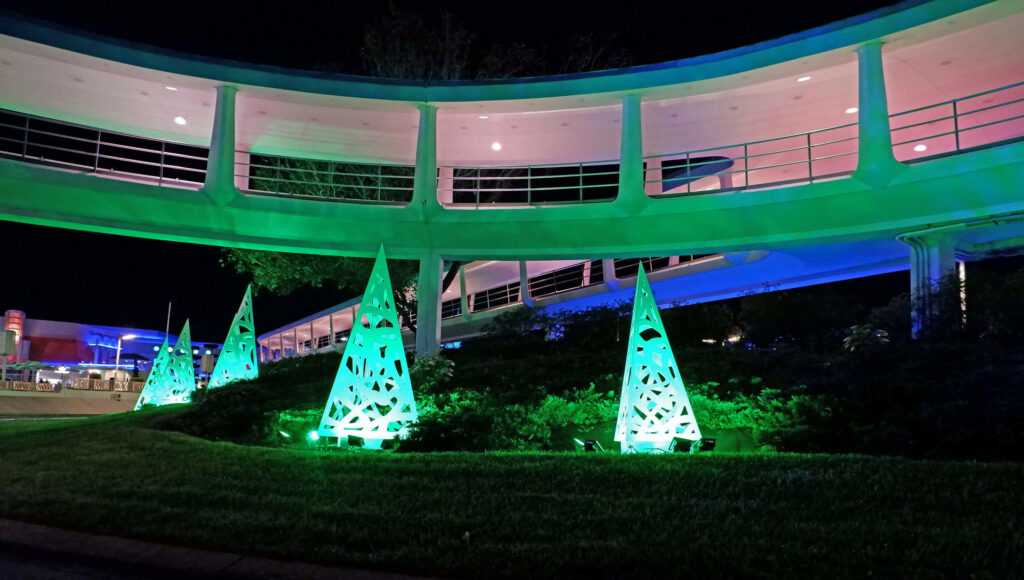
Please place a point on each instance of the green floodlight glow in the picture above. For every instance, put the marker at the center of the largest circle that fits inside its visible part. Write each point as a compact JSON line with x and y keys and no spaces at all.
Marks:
{"x":372,"y":395}
{"x":313,"y":436}
{"x":237,"y":360}
{"x":654,"y":409}
{"x":172,"y":379}
{"x":285,"y":434}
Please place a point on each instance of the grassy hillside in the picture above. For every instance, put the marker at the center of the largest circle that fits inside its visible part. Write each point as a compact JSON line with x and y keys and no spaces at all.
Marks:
{"x":567,"y":515}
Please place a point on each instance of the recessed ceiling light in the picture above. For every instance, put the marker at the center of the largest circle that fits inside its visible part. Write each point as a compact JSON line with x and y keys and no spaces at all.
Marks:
{"x":496,"y":146}
{"x":803,"y":79}
{"x":171,"y":88}
{"x":851,"y":110}
{"x":483,"y":117}
{"x":180,"y":120}
{"x":920,"y":147}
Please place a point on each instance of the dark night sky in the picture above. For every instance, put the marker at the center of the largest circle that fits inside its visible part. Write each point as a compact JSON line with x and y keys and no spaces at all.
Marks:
{"x":102,"y":279}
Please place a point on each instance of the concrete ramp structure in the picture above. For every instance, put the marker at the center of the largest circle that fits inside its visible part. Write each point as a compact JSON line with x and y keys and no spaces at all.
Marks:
{"x":889,"y":141}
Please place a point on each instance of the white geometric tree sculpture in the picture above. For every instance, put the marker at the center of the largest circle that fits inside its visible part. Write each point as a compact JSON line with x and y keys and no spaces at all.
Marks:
{"x":151,"y":392}
{"x":654,"y":409}
{"x":237,"y":360}
{"x":172,"y":380}
{"x":372,"y":395}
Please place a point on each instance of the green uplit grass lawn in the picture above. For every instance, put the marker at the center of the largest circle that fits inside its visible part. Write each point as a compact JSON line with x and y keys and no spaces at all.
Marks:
{"x":471,"y":515}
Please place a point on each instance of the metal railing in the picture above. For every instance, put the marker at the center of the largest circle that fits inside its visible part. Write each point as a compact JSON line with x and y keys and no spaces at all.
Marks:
{"x":325,"y":180}
{"x":967,"y":123}
{"x":972,"y":122}
{"x":107,"y":385}
{"x":592,"y":181}
{"x":801,"y":158}
{"x":565,"y":279}
{"x":494,"y":297}
{"x":83,"y":149}
{"x":451,"y":308}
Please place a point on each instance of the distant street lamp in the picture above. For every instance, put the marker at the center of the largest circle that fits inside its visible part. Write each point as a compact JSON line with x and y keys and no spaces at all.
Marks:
{"x":117,"y":359}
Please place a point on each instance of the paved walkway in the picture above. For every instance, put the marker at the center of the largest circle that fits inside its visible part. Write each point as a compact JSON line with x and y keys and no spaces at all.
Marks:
{"x":34,"y":552}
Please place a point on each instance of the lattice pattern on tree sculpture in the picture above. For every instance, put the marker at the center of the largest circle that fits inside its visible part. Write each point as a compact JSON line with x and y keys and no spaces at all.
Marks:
{"x":173,"y":380}
{"x":654,"y":409}
{"x":372,"y":395}
{"x":154,"y":382}
{"x":237,"y":360}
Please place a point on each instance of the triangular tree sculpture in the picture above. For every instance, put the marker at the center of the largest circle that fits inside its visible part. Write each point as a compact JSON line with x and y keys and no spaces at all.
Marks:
{"x":150,"y":394}
{"x":237,"y":360}
{"x":372,"y":395}
{"x":172,"y":380}
{"x":654,"y":409}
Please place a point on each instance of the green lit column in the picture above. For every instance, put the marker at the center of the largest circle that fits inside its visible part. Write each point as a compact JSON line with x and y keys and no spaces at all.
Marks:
{"x":463,"y":296}
{"x":631,"y":197}
{"x":428,"y":306}
{"x":424,"y":190}
{"x":220,"y":166}
{"x":934,"y":295}
{"x":875,"y":162}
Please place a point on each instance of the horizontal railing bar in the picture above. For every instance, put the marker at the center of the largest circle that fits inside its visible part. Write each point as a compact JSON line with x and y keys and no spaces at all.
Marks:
{"x":1007,"y":87}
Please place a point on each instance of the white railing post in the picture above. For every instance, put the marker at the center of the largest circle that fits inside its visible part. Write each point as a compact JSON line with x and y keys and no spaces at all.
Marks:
{"x":876,"y":164}
{"x":220,"y":166}
{"x":631,"y":196}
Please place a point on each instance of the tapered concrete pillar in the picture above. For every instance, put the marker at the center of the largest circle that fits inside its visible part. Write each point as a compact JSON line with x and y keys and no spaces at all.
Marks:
{"x":876,"y":164}
{"x":424,"y":194}
{"x":652,"y":177}
{"x":631,"y":198}
{"x":524,"y":285}
{"x":934,"y":297}
{"x":446,"y":185}
{"x":608,"y":269}
{"x":463,"y":295}
{"x":220,"y":166}
{"x":428,"y":306}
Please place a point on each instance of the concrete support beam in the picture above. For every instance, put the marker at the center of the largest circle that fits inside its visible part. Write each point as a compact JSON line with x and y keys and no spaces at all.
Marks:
{"x":463,"y":296}
{"x":428,"y":306}
{"x":446,"y":185}
{"x":424,"y":189}
{"x":652,"y":177}
{"x":524,"y":285}
{"x":608,"y":267}
{"x":876,"y":164}
{"x":631,"y":198}
{"x":933,"y":279}
{"x":220,"y":166}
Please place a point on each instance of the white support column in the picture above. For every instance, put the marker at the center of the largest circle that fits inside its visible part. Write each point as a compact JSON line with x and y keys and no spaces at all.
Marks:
{"x":876,"y":164}
{"x":220,"y":166}
{"x":428,"y":306}
{"x":653,"y":174}
{"x":446,"y":185}
{"x":631,"y":197}
{"x":312,"y":338}
{"x":330,"y":330}
{"x":463,"y":296}
{"x":608,"y":267}
{"x":524,"y":285}
{"x":424,"y":194}
{"x":932,"y":273}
